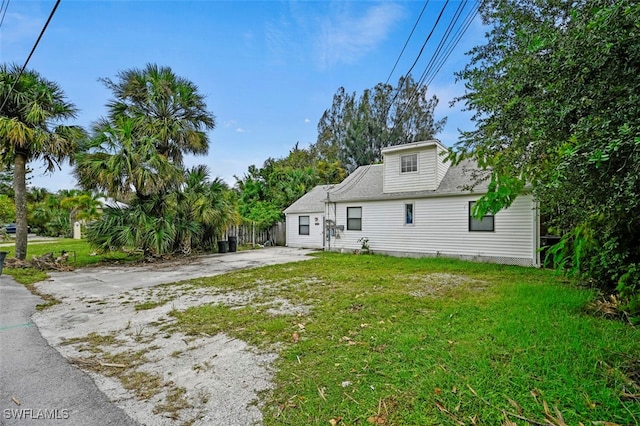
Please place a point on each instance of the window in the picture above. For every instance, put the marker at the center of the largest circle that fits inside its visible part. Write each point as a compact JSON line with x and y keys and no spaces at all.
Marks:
{"x":303,"y":225}
{"x":408,"y":214}
{"x":485,"y":224}
{"x":354,"y":218}
{"x":409,"y":163}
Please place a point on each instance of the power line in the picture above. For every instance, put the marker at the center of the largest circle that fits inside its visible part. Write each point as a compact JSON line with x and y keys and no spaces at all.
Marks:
{"x":436,"y":55}
{"x":437,"y":61}
{"x":472,"y":15}
{"x":428,"y":38}
{"x":406,"y":42}
{"x":30,"y":54}
{"x":395,"y":96}
{"x":5,"y":10}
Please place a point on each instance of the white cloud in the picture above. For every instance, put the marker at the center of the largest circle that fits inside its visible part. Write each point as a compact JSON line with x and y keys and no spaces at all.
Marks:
{"x":344,"y":38}
{"x":21,"y":28}
{"x":240,"y":130}
{"x":306,"y":120}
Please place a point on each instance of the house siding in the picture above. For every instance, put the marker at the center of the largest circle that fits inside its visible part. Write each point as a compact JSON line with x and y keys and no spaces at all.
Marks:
{"x":315,"y":237}
{"x":442,"y":166}
{"x":441,"y":228}
{"x":426,"y":178}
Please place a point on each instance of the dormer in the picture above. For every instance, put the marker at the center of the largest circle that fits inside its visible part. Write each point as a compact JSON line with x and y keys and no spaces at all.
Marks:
{"x":417,"y":166}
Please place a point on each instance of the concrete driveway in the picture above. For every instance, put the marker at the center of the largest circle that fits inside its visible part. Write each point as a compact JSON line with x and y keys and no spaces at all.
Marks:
{"x":97,"y":328}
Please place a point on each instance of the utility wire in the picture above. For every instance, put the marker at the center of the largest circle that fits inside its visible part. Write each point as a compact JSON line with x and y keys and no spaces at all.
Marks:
{"x":405,"y":43}
{"x":30,"y":54}
{"x":5,"y":10}
{"x":395,"y":96}
{"x":436,"y":55}
{"x":439,"y":62}
{"x":466,"y":24}
{"x":428,"y":38}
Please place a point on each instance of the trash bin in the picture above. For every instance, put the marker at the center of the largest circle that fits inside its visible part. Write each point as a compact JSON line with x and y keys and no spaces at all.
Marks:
{"x":3,"y":254}
{"x":223,"y":246}
{"x":233,"y":244}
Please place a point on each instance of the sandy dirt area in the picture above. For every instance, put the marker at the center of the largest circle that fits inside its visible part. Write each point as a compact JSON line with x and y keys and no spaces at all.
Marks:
{"x":160,"y":376}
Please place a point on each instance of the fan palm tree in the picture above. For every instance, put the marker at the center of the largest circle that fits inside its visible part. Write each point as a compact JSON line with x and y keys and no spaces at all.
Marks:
{"x":123,"y":162}
{"x":165,"y":106}
{"x":29,"y":106}
{"x":203,"y":209}
{"x":136,"y":155}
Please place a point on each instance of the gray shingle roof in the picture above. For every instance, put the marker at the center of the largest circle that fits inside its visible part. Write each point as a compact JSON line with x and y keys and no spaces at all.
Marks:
{"x":312,"y":201}
{"x":366,"y":183}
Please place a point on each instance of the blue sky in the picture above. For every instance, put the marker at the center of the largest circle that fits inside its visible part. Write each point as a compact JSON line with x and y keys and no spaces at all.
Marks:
{"x":268,"y":69}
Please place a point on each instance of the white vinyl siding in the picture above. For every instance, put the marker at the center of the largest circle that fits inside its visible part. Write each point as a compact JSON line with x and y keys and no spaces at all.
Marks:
{"x":441,"y":227}
{"x":316,"y":235}
{"x":424,"y":179}
{"x":442,"y":165}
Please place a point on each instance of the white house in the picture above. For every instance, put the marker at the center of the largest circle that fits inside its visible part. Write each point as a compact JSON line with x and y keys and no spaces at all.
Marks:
{"x":414,"y":204}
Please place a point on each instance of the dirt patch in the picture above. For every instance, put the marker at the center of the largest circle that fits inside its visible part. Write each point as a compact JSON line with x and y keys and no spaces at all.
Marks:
{"x":437,"y":284}
{"x":144,"y":368}
{"x":125,"y":338}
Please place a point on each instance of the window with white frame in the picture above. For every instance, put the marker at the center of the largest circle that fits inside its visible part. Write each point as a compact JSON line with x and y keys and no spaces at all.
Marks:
{"x":303,"y":225}
{"x":409,"y":163}
{"x":354,"y":218}
{"x":486,"y":224}
{"x":408,"y":213}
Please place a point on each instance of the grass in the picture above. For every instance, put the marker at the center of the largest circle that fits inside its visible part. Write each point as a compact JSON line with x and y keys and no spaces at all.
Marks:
{"x":80,"y":255}
{"x":428,"y":342}
{"x":149,"y":304}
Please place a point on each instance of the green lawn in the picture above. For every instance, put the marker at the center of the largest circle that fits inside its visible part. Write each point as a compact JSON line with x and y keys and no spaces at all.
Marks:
{"x":429,"y":342}
{"x":79,"y":251}
{"x":383,"y":340}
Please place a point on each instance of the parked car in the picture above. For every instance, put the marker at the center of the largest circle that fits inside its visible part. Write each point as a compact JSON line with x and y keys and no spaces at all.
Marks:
{"x":10,"y":228}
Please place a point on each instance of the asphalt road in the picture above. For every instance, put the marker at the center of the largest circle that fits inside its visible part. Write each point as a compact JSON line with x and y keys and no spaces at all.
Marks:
{"x":37,"y":385}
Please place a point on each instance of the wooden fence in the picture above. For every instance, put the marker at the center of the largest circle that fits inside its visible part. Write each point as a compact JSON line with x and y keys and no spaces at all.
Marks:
{"x":248,"y":233}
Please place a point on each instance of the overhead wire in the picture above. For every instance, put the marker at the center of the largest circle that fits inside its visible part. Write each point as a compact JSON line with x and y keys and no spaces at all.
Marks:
{"x":441,"y":56}
{"x":53,"y":11}
{"x":465,"y":25}
{"x":406,"y":42}
{"x":428,"y":38}
{"x":4,"y":13}
{"x":395,"y":96}
{"x":436,"y":55}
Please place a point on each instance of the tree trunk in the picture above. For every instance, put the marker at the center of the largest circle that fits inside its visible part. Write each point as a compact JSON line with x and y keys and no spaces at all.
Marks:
{"x":20,"y":196}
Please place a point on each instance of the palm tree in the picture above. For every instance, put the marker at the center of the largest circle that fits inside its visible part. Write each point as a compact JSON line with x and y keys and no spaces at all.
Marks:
{"x":203,"y":209}
{"x":136,"y":155}
{"x":30,"y":104}
{"x":124,"y":162}
{"x":166,"y":106}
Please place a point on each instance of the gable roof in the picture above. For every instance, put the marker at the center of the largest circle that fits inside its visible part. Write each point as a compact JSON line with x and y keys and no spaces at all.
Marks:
{"x":366,"y":184}
{"x":312,"y":201}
